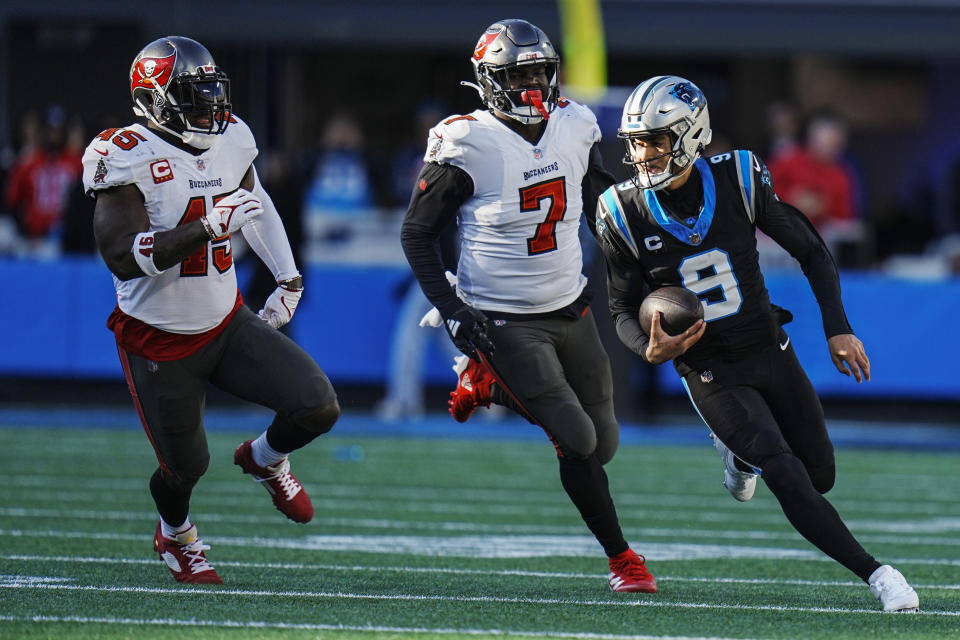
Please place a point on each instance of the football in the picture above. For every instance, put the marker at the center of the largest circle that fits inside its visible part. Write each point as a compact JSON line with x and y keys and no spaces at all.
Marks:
{"x":678,"y":307}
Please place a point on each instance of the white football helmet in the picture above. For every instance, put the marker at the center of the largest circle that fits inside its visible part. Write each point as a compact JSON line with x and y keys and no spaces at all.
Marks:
{"x":509,"y":44}
{"x":175,"y":84}
{"x":665,"y":105}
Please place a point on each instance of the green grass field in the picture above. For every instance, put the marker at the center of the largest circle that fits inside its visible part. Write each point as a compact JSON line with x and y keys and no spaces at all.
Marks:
{"x":451,"y":538}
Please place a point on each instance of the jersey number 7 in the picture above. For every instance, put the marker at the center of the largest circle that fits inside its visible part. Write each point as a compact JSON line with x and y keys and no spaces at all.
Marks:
{"x":545,"y":238}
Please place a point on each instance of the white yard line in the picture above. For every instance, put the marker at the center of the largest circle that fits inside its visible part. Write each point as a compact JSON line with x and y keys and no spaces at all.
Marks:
{"x":492,"y":545}
{"x":563,"y":575}
{"x":32,"y":583}
{"x":696,"y":510}
{"x":695,"y":497}
{"x":933,"y":525}
{"x":193,"y":622}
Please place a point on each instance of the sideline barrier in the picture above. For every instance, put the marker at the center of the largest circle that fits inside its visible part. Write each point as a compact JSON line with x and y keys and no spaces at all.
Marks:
{"x":55,"y":312}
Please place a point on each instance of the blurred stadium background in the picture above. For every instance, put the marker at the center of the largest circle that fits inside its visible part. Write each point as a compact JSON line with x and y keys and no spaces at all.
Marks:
{"x":354,"y":81}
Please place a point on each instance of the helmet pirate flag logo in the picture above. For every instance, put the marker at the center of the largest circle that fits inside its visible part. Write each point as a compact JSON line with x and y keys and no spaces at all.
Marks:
{"x":153,"y":73}
{"x":486,"y":40}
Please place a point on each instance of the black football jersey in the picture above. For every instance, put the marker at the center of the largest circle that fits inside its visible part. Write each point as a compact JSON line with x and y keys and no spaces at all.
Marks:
{"x":707,"y":244}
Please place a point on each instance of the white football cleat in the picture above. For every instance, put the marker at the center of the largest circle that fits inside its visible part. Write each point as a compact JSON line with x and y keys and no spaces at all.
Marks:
{"x":892,"y":590}
{"x":740,"y":484}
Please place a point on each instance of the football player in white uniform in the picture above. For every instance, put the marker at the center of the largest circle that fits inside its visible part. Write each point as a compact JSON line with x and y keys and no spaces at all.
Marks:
{"x":168,"y":195}
{"x":515,"y":176}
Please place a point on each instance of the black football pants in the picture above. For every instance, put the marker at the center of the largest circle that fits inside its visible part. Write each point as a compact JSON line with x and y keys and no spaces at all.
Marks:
{"x":558,"y":373}
{"x":765,"y":410}
{"x":248,"y":359}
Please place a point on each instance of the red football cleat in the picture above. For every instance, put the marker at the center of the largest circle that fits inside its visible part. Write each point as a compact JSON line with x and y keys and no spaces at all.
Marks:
{"x":184,"y":557}
{"x":288,"y":494}
{"x":473,"y":388}
{"x":628,"y":572}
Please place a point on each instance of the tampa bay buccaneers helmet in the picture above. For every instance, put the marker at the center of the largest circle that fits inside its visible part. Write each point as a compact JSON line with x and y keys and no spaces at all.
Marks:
{"x":509,"y":44}
{"x":665,"y":105}
{"x":178,"y":87}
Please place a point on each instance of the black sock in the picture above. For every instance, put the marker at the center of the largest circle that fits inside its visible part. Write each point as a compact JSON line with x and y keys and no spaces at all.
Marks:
{"x":285,"y":436}
{"x":173,"y":506}
{"x":585,"y":482}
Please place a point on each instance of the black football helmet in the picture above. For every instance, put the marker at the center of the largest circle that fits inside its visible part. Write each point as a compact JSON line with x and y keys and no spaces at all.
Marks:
{"x":177,"y":86}
{"x":508,"y":44}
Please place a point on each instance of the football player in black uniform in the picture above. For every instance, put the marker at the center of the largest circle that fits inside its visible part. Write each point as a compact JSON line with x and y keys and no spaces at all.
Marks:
{"x":515,"y":175}
{"x":683,"y":220}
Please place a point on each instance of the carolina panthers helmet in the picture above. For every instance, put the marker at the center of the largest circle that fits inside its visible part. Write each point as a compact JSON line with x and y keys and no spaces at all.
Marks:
{"x":665,"y":105}
{"x":177,"y":86}
{"x":505,"y":45}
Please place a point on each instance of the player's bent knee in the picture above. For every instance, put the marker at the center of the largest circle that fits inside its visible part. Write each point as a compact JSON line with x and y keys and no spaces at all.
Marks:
{"x":606,"y":449}
{"x":577,"y":444}
{"x":785,"y":474}
{"x":823,"y":478}
{"x":185,"y":479}
{"x":319,"y":421}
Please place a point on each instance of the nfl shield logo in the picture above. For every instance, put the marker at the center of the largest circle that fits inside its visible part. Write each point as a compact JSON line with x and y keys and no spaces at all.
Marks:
{"x":201,"y":165}
{"x":537,"y":153}
{"x":706,"y":376}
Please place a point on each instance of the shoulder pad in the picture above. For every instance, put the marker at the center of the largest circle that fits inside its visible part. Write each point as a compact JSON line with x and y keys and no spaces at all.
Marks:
{"x":450,"y":140}
{"x":581,"y":116}
{"x":612,"y":221}
{"x":240,"y":134}
{"x":109,"y":160}
{"x":566,"y":105}
{"x":748,"y":170}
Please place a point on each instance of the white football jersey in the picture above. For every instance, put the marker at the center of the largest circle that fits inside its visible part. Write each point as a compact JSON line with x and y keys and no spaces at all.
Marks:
{"x":520,"y":247}
{"x":178,"y":187}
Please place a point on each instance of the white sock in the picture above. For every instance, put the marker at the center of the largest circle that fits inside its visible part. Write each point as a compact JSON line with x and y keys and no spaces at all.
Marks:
{"x":171,"y":532}
{"x":263,"y":454}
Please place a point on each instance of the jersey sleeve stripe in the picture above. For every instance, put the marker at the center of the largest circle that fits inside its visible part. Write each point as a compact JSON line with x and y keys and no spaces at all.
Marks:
{"x":745,"y":177}
{"x":612,"y":204}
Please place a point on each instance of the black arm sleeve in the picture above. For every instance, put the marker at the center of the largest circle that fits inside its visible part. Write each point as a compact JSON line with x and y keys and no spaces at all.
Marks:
{"x":595,"y":182}
{"x":440,"y":190}
{"x":789,"y":228}
{"x":626,"y":289}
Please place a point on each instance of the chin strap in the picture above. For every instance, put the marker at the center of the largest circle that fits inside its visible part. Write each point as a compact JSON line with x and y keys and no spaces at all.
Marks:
{"x":535,"y":97}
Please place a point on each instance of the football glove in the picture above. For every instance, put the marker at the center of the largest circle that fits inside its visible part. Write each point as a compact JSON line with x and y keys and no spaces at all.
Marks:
{"x":231,"y":213}
{"x":467,"y":328}
{"x":279,"y":307}
{"x":433,"y":318}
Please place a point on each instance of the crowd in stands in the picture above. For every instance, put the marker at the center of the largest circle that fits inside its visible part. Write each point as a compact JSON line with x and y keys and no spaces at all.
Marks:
{"x":343,"y":198}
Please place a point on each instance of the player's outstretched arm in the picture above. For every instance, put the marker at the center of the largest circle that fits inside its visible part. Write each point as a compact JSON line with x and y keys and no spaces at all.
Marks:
{"x":663,"y":347}
{"x":849,"y":356}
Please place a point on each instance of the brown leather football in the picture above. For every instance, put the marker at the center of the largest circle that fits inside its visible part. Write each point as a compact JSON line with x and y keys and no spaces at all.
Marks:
{"x":678,"y":307}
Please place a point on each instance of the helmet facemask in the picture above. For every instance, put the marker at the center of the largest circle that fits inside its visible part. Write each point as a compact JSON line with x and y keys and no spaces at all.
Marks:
{"x":646,"y":173}
{"x":525,"y":105}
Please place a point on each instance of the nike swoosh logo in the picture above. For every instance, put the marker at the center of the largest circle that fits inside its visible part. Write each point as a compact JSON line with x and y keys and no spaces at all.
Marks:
{"x":103,"y":153}
{"x":784,"y":346}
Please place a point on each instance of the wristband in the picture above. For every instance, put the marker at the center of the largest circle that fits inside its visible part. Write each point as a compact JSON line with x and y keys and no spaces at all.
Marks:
{"x":208,"y":228}
{"x":288,"y":284}
{"x":143,"y":253}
